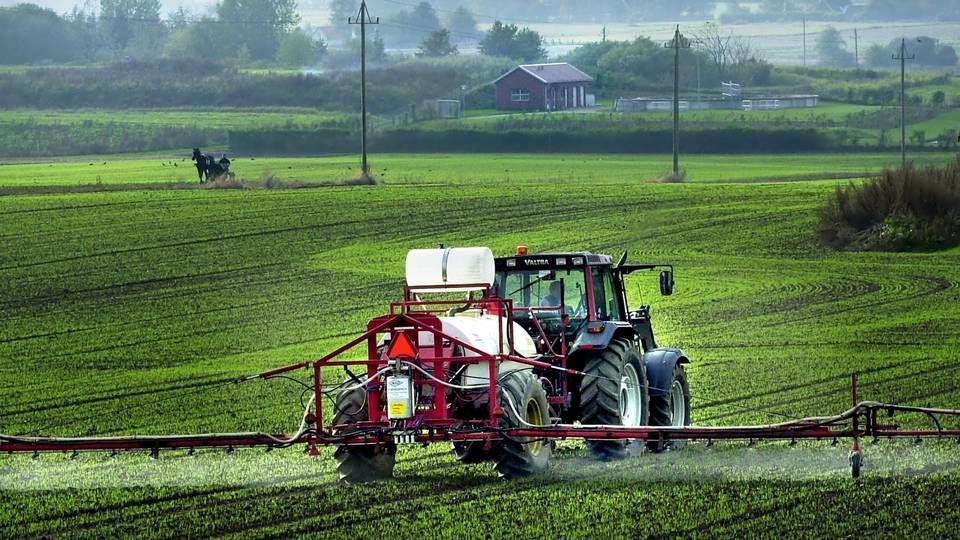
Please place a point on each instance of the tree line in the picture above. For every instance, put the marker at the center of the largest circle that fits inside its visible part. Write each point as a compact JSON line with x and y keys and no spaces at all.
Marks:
{"x":123,"y":29}
{"x":625,"y":67}
{"x":243,"y":32}
{"x":834,"y":50}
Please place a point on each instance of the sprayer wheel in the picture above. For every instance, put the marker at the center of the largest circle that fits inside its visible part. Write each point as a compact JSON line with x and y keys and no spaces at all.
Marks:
{"x":524,"y":402}
{"x":471,"y":452}
{"x":671,"y":410}
{"x":614,"y":392}
{"x":360,"y":463}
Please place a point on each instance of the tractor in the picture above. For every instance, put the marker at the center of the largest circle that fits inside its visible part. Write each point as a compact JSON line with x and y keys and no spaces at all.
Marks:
{"x":502,"y":357}
{"x":567,"y":348}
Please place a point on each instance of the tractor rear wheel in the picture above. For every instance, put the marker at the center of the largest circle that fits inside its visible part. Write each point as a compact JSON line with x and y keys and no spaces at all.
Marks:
{"x":523,"y":400}
{"x":614,"y":392}
{"x":671,"y":410}
{"x":360,"y":463}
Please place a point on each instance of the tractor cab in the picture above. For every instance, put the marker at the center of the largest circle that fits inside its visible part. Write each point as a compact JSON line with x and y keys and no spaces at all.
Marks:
{"x":575,"y":287}
{"x":570,"y":294}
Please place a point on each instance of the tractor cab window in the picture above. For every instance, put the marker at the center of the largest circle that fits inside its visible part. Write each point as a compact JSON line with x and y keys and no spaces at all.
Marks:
{"x":607,"y":300}
{"x":543,"y":289}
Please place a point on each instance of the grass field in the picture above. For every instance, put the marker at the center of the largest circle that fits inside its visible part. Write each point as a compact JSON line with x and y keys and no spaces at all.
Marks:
{"x":114,"y":304}
{"x":209,"y":119}
{"x":455,"y":168}
{"x":826,"y":111}
{"x":30,"y":132}
{"x":779,"y":43}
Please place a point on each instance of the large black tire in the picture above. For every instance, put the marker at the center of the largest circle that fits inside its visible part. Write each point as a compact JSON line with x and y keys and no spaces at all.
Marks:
{"x":600,"y":394}
{"x":519,"y":457}
{"x":662,"y":411}
{"x":471,"y":452}
{"x":360,"y":463}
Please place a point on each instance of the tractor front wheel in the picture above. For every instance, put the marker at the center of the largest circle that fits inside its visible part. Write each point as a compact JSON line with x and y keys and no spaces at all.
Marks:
{"x":671,"y":409}
{"x":525,"y":403}
{"x":614,"y":392}
{"x":365,"y":462}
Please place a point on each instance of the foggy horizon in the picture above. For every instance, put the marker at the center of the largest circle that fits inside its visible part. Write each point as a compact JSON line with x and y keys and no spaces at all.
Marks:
{"x":66,"y":6}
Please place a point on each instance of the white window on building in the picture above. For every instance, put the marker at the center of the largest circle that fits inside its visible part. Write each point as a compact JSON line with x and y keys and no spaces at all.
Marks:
{"x":519,"y":94}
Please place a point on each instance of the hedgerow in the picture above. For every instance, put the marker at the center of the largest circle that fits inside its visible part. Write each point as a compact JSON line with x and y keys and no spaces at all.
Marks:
{"x":907,"y":208}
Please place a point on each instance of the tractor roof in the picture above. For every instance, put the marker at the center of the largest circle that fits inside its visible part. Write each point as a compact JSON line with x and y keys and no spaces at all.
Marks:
{"x":550,"y":260}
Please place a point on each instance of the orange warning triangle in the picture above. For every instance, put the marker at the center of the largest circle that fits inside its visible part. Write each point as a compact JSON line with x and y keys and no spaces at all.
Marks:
{"x":402,"y":347}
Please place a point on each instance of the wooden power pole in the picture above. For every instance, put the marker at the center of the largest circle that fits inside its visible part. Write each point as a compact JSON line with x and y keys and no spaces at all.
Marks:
{"x":678,"y":42}
{"x":903,"y":57}
{"x":856,"y":48}
{"x":803,"y":19}
{"x":363,"y":19}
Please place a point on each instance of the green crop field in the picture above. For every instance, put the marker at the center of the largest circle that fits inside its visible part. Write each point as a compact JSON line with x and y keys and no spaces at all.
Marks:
{"x":114,"y":305}
{"x":30,"y":132}
{"x":455,"y":168}
{"x":187,"y":118}
{"x":946,"y":121}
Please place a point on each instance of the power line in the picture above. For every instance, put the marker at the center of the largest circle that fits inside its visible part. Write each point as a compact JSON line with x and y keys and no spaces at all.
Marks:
{"x":428,"y":29}
{"x":485,"y":16}
{"x":169,"y":19}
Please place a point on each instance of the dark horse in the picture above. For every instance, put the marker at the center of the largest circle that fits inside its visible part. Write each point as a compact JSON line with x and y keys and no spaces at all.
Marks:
{"x":208,"y":167}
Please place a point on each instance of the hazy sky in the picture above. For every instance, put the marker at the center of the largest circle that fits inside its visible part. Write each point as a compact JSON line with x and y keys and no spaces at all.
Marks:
{"x":62,"y":6}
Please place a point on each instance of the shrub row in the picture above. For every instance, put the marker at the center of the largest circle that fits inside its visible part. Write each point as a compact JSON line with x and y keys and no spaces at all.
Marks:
{"x":727,"y":140}
{"x":37,"y":140}
{"x":902,"y":209}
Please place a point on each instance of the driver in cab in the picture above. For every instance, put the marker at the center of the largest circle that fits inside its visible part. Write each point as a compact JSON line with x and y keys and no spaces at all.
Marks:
{"x":553,"y":298}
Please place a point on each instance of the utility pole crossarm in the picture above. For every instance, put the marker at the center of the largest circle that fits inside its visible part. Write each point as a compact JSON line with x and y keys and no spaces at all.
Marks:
{"x":363,"y":19}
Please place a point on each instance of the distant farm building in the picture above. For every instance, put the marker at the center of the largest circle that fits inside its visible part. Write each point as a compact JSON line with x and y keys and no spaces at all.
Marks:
{"x":753,"y":103}
{"x":543,"y":87}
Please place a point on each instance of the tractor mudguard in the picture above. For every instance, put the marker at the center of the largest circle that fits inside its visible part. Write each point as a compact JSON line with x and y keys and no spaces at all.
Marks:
{"x":599,"y":341}
{"x":660,"y":364}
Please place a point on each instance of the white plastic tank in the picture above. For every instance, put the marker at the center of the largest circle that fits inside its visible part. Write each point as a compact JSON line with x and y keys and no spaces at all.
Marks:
{"x":460,"y":269}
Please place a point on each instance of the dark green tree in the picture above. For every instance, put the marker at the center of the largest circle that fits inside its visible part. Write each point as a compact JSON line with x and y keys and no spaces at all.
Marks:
{"x":377,"y":50}
{"x":30,"y":33}
{"x":878,"y":56}
{"x":462,"y":26}
{"x":437,"y":45}
{"x":832,"y":49}
{"x":122,"y":20}
{"x":529,"y":45}
{"x":196,"y":41}
{"x":257,"y":24}
{"x":512,"y":42}
{"x":298,"y":49}
{"x":409,"y":28}
{"x":946,"y":56}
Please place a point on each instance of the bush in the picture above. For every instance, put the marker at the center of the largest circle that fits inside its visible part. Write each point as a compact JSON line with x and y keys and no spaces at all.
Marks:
{"x":902,"y":209}
{"x":298,"y":49}
{"x":557,"y":140}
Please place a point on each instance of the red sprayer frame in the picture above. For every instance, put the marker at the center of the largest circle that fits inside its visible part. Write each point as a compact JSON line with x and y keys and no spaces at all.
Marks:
{"x":432,"y":423}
